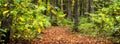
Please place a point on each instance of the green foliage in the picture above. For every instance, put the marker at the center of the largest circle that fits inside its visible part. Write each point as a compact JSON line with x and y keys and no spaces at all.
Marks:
{"x":87,"y":27}
{"x":28,"y":18}
{"x":64,"y":22}
{"x":58,"y":12}
{"x":2,"y":33}
{"x":59,"y":18}
{"x":107,"y":17}
{"x":105,"y":21}
{"x":28,"y":22}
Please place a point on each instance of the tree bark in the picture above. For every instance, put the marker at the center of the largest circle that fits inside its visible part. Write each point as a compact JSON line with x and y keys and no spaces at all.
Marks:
{"x":69,"y":9}
{"x":91,"y":6}
{"x":76,"y":17}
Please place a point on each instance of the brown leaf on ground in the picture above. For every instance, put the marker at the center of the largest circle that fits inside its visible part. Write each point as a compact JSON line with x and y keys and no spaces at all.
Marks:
{"x":60,"y":35}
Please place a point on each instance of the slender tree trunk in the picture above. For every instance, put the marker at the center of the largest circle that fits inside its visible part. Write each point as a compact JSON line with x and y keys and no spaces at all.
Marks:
{"x":86,"y":7}
{"x":61,"y":5}
{"x":80,"y":7}
{"x":69,"y":9}
{"x":91,"y":8}
{"x":76,"y":16}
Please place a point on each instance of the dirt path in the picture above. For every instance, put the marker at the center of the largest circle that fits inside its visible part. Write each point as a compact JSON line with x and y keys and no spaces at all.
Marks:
{"x":60,"y":35}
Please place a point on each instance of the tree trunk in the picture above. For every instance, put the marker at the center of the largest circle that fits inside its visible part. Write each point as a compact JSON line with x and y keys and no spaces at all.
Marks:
{"x":69,"y":9}
{"x":91,"y":6}
{"x":76,"y":17}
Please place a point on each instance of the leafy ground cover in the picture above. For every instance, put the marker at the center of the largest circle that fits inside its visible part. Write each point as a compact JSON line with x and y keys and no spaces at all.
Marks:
{"x":62,"y":35}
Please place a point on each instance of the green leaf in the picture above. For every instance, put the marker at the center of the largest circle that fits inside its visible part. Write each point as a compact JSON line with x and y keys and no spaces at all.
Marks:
{"x":53,"y":11}
{"x":39,"y":36}
{"x":4,"y":12}
{"x":16,"y":1}
{"x":14,"y":12}
{"x":3,"y":30}
{"x":3,"y":35}
{"x":25,"y":4}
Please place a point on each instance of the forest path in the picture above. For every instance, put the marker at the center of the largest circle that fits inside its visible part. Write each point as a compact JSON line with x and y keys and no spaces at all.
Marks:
{"x":61,"y":35}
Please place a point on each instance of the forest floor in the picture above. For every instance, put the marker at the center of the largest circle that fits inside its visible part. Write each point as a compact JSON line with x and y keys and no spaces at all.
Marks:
{"x":62,"y":35}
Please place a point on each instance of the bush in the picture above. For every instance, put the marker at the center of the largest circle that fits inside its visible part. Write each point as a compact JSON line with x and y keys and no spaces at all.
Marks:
{"x":105,"y":21}
{"x":28,"y":18}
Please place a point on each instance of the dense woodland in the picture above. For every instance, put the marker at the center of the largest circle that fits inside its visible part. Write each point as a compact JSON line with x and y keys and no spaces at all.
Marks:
{"x":26,"y":19}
